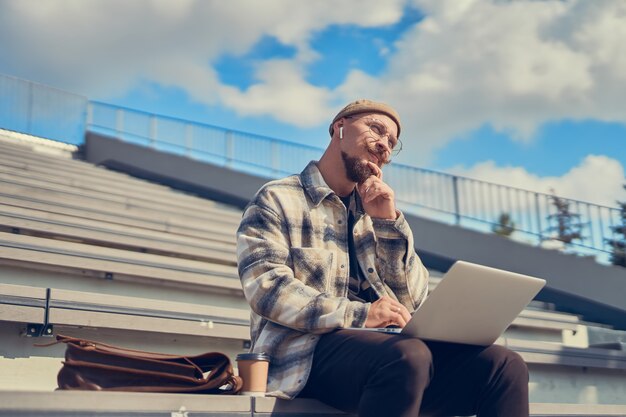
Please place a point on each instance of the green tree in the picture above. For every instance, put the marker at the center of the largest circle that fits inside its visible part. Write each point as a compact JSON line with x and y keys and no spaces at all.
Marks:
{"x":618,"y":244}
{"x":505,"y":226}
{"x":564,"y":222}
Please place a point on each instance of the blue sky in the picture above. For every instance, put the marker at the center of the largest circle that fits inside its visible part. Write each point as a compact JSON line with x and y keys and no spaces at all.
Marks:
{"x":557,"y":147}
{"x":528,"y":93}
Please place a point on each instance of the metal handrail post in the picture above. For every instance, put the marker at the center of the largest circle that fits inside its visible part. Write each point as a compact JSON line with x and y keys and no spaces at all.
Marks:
{"x":538,"y":213}
{"x":229,"y":148}
{"x":153,"y":131}
{"x":119,"y":122}
{"x":29,"y":117}
{"x":188,"y":139}
{"x":455,"y":191}
{"x":275,"y":158}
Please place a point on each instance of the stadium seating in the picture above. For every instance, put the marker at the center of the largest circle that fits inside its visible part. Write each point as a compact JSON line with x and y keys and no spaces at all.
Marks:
{"x":93,"y":253}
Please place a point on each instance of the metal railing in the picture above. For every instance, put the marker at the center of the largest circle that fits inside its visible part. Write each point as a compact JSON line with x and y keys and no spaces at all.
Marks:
{"x":255,"y":154}
{"x":449,"y":198}
{"x":42,"y":111}
{"x":533,"y":217}
{"x":47,"y":112}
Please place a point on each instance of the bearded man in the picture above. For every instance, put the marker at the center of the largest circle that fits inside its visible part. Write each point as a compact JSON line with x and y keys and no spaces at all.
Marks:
{"x":327,"y":251}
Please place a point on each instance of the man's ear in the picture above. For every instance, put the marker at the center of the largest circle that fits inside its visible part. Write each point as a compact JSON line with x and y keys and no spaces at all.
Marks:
{"x":338,"y":127}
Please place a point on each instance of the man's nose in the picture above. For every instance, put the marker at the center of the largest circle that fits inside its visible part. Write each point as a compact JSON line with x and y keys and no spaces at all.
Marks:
{"x":382,"y":146}
{"x":384,"y":152}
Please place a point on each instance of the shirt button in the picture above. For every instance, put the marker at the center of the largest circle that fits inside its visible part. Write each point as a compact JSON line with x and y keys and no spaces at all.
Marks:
{"x":340,"y":221}
{"x":343,"y":266}
{"x":370,"y":270}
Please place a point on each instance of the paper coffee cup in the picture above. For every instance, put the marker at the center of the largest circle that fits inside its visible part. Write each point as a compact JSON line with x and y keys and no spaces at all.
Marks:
{"x":253,"y":369}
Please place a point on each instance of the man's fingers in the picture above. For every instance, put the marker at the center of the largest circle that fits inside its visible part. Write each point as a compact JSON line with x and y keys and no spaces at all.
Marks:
{"x":376,"y":171}
{"x":373,"y":188}
{"x":386,"y":311}
{"x":398,"y":320}
{"x":367,"y":184}
{"x":375,"y":192}
{"x":406,"y":315}
{"x":402,"y":312}
{"x":398,"y":308}
{"x":400,"y":315}
{"x":401,"y":321}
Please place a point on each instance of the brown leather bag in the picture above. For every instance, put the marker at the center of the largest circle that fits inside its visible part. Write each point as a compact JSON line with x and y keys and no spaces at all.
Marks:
{"x":91,"y":365}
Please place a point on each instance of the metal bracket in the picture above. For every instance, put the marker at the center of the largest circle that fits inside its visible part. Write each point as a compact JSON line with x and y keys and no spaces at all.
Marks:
{"x":39,"y":330}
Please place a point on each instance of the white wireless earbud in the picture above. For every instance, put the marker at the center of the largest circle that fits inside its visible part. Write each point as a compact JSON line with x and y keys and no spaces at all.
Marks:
{"x":341,"y":132}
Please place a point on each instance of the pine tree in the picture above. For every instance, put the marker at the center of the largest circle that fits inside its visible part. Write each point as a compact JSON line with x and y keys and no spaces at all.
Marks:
{"x":505,"y":226}
{"x":618,"y":245}
{"x":566,"y":224}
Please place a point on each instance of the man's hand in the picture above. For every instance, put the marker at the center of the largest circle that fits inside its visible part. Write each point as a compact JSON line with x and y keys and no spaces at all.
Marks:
{"x":387,"y":312}
{"x":377,"y":197}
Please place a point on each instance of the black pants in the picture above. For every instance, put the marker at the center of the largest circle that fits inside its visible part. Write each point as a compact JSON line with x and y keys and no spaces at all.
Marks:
{"x":386,"y":375}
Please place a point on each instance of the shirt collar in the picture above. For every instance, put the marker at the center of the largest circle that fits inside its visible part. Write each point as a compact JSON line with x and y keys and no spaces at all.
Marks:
{"x":314,"y":183}
{"x":317,"y":189}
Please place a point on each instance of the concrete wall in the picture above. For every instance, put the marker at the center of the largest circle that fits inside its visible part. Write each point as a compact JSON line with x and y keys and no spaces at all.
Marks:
{"x":179,"y":172}
{"x":575,"y":284}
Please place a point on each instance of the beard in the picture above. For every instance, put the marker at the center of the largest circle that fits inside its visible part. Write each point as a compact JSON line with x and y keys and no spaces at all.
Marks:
{"x":357,"y":169}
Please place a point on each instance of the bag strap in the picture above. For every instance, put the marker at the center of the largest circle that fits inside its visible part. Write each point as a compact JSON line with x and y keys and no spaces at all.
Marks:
{"x":111,"y":348}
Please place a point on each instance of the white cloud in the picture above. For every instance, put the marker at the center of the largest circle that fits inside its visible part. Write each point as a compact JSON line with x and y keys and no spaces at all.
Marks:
{"x":597,"y":178}
{"x":101,"y":48}
{"x":514,"y":65}
{"x":283,"y":93}
{"x":511,"y":64}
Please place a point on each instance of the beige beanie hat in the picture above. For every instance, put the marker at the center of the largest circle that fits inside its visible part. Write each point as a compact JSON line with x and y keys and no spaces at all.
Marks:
{"x":366,"y":106}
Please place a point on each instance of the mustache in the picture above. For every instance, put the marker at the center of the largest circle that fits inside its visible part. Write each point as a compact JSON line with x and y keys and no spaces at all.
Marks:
{"x":383,"y":157}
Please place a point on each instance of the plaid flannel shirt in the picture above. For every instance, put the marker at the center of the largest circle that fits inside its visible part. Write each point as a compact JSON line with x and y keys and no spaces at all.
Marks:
{"x":292,"y":251}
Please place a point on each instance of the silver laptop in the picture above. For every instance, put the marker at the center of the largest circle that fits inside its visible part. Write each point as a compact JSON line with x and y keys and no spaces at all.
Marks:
{"x":472,"y":304}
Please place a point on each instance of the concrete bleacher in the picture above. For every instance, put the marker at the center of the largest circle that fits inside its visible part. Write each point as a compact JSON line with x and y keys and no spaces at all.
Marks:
{"x":175,"y":405}
{"x":97,"y":254}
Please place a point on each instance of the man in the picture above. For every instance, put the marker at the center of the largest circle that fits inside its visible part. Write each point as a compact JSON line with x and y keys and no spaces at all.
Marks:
{"x":327,"y":250}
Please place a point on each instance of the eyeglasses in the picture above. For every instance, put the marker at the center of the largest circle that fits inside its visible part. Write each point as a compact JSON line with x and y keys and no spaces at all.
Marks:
{"x":378,"y":131}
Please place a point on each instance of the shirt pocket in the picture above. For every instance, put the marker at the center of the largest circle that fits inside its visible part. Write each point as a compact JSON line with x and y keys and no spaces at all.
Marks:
{"x":313,"y":266}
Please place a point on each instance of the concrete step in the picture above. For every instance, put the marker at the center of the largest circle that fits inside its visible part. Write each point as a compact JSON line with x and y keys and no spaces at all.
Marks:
{"x":76,"y":258}
{"x":91,"y":403}
{"x":156,"y":209}
{"x":130,"y":216}
{"x":35,"y":152}
{"x":97,"y":233}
